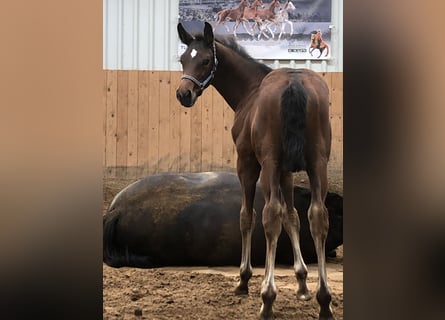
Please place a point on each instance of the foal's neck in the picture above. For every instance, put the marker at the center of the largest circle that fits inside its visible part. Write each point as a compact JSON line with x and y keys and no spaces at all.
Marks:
{"x":236,"y":77}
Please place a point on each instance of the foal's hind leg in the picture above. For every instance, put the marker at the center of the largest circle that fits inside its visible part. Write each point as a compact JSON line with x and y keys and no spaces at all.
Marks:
{"x":248,"y":172}
{"x":319,"y":225}
{"x":291,"y":224}
{"x":272,"y":216}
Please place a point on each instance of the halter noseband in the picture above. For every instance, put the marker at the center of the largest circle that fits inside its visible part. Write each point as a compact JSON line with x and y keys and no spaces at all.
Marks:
{"x":206,"y":82}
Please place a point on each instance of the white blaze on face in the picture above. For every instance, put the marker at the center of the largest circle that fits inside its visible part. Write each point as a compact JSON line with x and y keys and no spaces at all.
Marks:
{"x":193,"y":53}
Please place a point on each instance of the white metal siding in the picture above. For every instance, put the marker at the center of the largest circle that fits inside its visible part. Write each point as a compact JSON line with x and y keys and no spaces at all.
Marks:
{"x":141,"y":35}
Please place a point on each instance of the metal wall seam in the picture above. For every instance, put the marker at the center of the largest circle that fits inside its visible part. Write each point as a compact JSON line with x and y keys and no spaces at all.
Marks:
{"x":135,"y":38}
{"x":120,"y":34}
{"x":151,"y":42}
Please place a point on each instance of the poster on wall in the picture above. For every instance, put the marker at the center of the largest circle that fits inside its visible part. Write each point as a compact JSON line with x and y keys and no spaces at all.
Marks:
{"x":267,"y":29}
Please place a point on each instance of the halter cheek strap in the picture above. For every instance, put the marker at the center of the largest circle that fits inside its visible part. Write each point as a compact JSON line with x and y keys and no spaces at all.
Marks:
{"x":206,"y":82}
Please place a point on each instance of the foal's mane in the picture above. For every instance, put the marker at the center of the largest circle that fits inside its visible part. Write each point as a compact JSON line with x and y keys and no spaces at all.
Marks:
{"x":230,"y":42}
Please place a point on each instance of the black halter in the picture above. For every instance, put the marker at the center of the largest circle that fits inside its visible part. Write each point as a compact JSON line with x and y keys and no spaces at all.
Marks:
{"x":206,"y":82}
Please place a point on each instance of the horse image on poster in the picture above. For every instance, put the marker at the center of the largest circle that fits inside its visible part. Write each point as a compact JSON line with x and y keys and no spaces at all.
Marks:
{"x":318,"y":43}
{"x":281,"y":126}
{"x":232,"y":14}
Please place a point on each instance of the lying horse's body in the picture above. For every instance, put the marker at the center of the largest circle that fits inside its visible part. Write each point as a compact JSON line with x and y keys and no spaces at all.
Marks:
{"x":146,"y":226}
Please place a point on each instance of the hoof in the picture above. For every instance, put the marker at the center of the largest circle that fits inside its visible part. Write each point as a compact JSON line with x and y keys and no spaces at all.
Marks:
{"x":326,"y":314}
{"x":241,"y":291}
{"x":271,"y":317}
{"x":304,"y":295}
{"x":266,"y":315}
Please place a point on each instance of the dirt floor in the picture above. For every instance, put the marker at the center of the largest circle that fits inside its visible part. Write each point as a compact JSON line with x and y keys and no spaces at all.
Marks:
{"x":207,"y":293}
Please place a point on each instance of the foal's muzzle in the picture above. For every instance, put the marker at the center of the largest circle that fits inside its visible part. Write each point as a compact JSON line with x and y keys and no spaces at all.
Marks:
{"x":186,"y":97}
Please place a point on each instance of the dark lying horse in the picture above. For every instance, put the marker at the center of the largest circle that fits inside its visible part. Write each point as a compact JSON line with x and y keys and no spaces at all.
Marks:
{"x":281,"y":126}
{"x":146,"y":227}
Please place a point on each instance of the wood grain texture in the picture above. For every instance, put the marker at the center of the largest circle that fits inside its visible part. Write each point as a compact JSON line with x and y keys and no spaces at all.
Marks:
{"x":147,"y":131}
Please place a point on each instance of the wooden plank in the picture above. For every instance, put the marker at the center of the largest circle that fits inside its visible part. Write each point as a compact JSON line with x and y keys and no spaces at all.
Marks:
{"x":153,"y":122}
{"x":207,"y":147}
{"x":143,"y":124}
{"x":133,"y":95}
{"x":336,"y":112}
{"x":122,"y":123}
{"x":217,"y":130}
{"x":104,"y":117}
{"x":147,"y":131}
{"x":111,"y":120}
{"x":196,"y":136}
{"x":336,"y":158}
{"x":185,"y":135}
{"x":228,"y":147}
{"x":337,"y":93}
{"x":175,"y":117}
{"x":337,"y":119}
{"x":164,"y":121}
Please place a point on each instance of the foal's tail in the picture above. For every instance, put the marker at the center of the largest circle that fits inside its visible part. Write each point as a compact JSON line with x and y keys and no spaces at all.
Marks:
{"x":293,"y":118}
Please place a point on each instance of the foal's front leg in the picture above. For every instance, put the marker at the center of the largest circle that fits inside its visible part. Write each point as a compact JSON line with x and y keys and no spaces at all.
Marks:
{"x":248,"y":173}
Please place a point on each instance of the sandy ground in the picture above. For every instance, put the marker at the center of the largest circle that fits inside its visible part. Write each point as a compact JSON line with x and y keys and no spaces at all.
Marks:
{"x":207,"y":293}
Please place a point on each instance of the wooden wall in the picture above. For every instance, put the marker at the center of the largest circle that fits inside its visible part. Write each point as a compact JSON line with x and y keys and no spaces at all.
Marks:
{"x":147,"y":131}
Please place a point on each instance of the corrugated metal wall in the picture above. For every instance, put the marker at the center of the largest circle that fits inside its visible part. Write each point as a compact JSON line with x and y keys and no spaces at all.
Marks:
{"x":141,"y":35}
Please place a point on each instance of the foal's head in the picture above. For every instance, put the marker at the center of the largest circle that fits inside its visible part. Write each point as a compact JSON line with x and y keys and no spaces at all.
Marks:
{"x":198,"y":64}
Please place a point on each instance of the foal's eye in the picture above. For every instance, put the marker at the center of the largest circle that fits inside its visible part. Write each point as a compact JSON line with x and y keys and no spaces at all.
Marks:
{"x":206,"y":62}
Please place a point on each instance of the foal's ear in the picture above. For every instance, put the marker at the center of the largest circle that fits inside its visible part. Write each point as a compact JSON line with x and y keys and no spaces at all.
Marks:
{"x":208,"y":33}
{"x":185,"y":37}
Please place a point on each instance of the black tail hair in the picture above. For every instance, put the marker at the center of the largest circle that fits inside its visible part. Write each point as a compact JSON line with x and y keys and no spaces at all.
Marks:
{"x":110,"y":255}
{"x":293,"y":117}
{"x":114,"y":254}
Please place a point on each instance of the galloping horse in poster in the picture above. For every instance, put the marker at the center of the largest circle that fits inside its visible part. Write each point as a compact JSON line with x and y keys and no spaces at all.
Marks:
{"x":250,"y":14}
{"x":265,"y":17}
{"x":281,"y":126}
{"x":232,"y":14}
{"x":283,"y":18}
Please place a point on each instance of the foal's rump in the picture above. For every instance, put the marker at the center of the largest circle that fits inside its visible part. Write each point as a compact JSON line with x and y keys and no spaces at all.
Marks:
{"x":302,"y":98}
